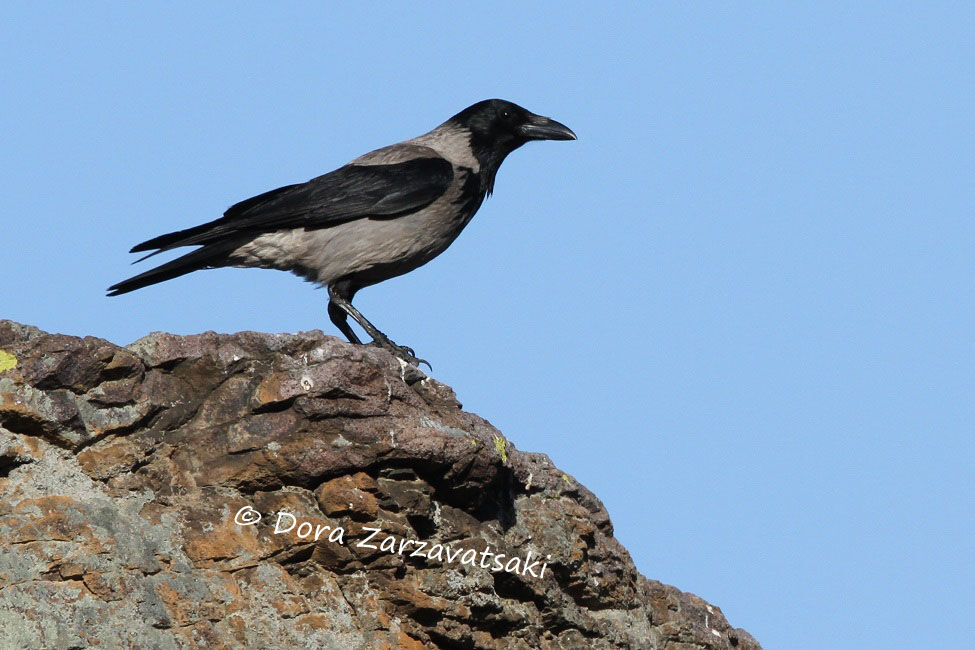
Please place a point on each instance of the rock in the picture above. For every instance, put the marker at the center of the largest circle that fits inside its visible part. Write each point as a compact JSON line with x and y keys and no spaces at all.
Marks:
{"x":292,"y":490}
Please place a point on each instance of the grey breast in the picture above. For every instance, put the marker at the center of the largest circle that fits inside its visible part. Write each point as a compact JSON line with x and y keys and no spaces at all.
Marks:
{"x":375,"y":249}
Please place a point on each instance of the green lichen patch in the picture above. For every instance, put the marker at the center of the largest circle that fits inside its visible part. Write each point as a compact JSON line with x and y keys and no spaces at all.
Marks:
{"x":501,"y":444}
{"x":7,"y":361}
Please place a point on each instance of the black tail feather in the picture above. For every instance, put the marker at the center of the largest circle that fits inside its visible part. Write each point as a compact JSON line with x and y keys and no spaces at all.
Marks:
{"x":202,"y":258}
{"x":173,"y":239}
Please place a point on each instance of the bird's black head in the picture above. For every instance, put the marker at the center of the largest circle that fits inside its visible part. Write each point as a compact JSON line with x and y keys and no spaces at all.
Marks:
{"x":499,"y":127}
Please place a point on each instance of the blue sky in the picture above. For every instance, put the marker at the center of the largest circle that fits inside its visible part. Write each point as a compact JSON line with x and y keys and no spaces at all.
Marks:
{"x":739,"y":308}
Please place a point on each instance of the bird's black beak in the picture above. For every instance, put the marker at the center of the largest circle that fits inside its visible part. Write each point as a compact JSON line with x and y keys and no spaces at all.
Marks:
{"x":543,"y":128}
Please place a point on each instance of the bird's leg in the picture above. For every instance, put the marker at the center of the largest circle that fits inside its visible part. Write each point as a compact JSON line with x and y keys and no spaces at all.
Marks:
{"x":341,"y":320}
{"x":403,"y":352}
{"x":340,"y":305}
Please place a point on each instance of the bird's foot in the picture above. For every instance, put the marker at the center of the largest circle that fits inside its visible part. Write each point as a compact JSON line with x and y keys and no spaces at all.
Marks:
{"x":401,"y":351}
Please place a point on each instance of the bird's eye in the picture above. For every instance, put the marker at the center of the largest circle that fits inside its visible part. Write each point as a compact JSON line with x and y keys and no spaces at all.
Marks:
{"x":506,"y":114}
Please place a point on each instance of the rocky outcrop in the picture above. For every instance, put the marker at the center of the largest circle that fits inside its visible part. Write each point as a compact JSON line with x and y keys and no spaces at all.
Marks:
{"x":168,"y":494}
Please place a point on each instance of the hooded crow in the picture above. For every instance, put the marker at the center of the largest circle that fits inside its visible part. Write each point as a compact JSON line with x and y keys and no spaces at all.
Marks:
{"x":380,"y":216}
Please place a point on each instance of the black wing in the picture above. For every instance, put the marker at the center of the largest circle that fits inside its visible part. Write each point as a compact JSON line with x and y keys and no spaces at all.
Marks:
{"x":350,"y":192}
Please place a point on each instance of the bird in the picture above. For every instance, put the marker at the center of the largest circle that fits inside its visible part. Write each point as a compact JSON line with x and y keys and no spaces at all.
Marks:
{"x":379,"y":216}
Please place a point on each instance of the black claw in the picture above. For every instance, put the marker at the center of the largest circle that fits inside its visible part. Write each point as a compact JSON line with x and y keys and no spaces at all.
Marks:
{"x":407,"y":355}
{"x":401,"y":351}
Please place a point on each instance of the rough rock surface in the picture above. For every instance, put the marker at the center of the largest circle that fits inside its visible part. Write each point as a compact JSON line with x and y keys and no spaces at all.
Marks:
{"x":122,"y":470}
